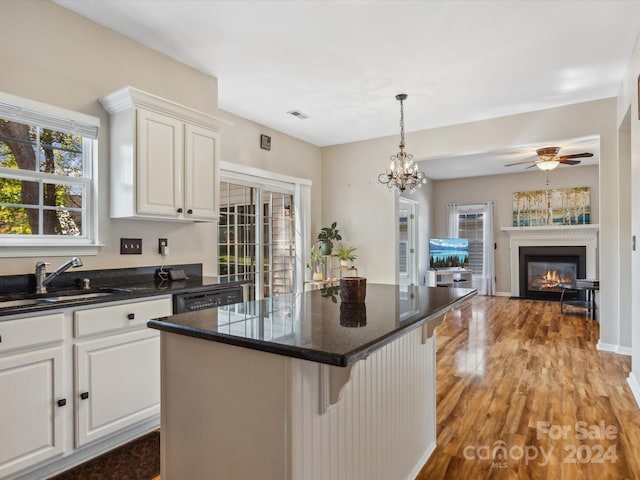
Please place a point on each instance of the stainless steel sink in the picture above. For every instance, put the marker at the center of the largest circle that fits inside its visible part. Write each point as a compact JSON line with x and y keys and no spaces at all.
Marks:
{"x":78,"y":296}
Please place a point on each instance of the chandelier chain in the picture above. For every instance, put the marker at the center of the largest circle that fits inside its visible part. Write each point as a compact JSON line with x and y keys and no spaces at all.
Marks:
{"x":401,"y":124}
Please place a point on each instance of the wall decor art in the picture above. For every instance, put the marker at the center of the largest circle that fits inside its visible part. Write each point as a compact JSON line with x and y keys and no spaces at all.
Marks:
{"x":560,"y":206}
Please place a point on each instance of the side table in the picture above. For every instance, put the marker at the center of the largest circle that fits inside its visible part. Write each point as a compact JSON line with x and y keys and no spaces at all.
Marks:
{"x":590,"y":286}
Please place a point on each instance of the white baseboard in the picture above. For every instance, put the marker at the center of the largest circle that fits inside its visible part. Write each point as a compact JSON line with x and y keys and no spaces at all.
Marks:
{"x":613,"y":348}
{"x":606,"y":347}
{"x":635,"y":386}
{"x":422,"y":462}
{"x":502,"y":294}
{"x":625,"y":351}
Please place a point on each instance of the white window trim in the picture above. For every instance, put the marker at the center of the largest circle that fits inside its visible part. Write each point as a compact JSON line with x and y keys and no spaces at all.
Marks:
{"x":301,"y":190}
{"x":26,"y":111}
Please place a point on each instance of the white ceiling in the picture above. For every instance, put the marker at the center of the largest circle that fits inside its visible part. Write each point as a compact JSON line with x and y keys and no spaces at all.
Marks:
{"x":342,"y":62}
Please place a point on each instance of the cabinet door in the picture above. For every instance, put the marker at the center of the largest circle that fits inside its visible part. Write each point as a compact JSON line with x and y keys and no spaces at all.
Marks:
{"x":201,"y":173}
{"x":118,"y":383}
{"x":160,"y":160}
{"x":30,"y":418}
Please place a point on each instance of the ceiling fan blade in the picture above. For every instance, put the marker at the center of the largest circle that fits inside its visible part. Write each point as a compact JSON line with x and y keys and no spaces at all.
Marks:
{"x":519,"y":163}
{"x":575,"y":155}
{"x":569,"y":162}
{"x":531,"y":166}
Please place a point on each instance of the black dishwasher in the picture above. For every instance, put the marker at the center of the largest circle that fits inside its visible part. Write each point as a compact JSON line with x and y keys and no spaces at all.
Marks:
{"x":203,"y":299}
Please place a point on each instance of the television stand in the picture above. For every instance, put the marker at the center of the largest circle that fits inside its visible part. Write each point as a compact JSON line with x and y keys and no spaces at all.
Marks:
{"x":454,"y":277}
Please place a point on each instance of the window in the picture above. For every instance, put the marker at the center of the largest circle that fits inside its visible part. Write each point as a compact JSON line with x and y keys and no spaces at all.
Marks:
{"x":471,"y":227}
{"x":46,"y":175}
{"x":475,"y":223}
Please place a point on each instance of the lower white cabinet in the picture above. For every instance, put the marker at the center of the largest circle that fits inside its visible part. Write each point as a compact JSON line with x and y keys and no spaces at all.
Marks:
{"x":117,"y":382}
{"x":32,"y":391}
{"x":31,"y":413}
{"x":77,"y":382}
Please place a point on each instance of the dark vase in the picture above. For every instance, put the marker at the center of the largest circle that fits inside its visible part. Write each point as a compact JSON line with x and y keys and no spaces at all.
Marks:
{"x":353,"y":289}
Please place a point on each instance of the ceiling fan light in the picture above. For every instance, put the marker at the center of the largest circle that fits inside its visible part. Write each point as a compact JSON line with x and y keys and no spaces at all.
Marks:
{"x":547,"y":164}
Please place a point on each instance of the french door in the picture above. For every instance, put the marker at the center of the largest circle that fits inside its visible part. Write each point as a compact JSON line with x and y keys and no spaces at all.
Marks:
{"x":256,"y":235}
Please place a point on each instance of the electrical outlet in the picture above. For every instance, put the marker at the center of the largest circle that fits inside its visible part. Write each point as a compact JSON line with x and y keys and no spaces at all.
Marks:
{"x":162,"y":244}
{"x":130,"y":246}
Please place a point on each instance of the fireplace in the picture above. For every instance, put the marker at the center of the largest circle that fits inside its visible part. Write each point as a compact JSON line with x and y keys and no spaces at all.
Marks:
{"x":544,"y":269}
{"x":585,"y":236}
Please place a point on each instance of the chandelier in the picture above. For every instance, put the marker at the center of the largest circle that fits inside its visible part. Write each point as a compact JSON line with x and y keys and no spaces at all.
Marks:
{"x":402,"y":173}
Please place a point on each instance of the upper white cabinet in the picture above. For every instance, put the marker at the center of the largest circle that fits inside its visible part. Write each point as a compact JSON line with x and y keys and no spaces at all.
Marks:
{"x":164,"y":158}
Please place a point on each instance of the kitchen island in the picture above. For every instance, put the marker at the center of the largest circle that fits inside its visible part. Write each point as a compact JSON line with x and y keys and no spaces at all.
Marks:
{"x":303,"y":387}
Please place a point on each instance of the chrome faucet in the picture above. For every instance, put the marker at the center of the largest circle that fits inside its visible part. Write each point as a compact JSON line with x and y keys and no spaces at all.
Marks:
{"x":42,"y":280}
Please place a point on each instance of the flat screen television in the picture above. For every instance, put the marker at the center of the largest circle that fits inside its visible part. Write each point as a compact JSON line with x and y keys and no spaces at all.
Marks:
{"x":448,"y":253}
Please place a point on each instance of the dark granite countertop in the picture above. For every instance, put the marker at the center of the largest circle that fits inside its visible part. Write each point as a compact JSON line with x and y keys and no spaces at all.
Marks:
{"x":315,"y":325}
{"x":122,"y":283}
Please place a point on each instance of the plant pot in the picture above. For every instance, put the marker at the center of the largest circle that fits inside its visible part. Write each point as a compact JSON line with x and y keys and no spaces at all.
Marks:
{"x":344,"y":263}
{"x":325,"y":247}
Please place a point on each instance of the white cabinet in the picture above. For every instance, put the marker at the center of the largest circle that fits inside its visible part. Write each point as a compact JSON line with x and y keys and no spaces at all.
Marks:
{"x":458,"y":277}
{"x":118,"y":383}
{"x":200,"y":173}
{"x":159,"y":160}
{"x":34,"y":397}
{"x":77,"y":382}
{"x":164,"y":158}
{"x":117,"y":376}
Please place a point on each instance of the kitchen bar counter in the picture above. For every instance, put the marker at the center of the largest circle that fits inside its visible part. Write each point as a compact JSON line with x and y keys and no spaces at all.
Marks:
{"x":315,"y":325}
{"x":303,"y":387}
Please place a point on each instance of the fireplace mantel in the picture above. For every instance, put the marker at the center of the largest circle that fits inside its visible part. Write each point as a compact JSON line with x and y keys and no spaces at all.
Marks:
{"x":553,"y":235}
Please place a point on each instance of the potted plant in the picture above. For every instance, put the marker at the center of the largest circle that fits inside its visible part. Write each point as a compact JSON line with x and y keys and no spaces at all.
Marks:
{"x":345,"y":255}
{"x":317,"y":261}
{"x":325,"y":237}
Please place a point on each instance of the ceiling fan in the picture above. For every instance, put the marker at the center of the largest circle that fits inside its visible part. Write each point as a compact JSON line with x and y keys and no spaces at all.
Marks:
{"x":548,"y":159}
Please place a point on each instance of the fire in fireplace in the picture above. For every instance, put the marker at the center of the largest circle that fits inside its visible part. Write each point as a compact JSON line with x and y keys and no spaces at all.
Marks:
{"x":544,"y":269}
{"x":547,"y":276}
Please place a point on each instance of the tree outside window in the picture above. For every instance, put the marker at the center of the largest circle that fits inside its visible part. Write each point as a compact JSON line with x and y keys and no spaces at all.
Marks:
{"x":43,"y":186}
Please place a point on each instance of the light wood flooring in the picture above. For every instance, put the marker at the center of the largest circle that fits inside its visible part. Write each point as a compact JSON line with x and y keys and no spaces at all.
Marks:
{"x":516,"y":378}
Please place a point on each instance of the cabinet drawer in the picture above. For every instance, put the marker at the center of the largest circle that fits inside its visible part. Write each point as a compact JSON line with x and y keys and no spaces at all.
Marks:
{"x":29,"y":331}
{"x":118,"y":317}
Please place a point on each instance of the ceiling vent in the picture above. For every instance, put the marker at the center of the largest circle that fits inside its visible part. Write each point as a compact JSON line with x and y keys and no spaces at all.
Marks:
{"x":298,"y":114}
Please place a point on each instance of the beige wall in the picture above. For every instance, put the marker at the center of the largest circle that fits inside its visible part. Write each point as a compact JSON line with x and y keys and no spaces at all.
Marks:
{"x":288,"y":156}
{"x":57,"y":57}
{"x":499,"y":189}
{"x":364,"y":209}
{"x":629,"y":124}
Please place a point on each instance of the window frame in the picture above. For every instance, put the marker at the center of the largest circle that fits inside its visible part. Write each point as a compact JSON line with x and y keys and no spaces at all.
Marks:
{"x":46,"y":116}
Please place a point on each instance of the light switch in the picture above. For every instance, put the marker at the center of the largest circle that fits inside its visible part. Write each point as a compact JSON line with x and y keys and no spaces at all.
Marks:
{"x":130,"y":246}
